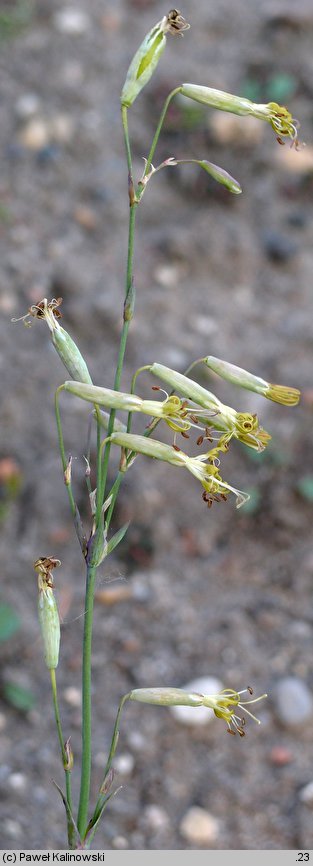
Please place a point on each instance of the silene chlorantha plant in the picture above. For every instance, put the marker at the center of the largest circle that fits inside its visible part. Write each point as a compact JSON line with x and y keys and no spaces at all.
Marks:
{"x":187,"y":408}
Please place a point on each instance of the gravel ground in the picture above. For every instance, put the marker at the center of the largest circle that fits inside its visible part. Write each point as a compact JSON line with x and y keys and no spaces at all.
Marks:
{"x":191,"y":592}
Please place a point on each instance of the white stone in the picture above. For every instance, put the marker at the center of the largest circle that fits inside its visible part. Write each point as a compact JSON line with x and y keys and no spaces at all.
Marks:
{"x":124,"y":764}
{"x":156,"y":817}
{"x":199,"y":827}
{"x":306,"y":794}
{"x":72,"y":696}
{"x":293,"y":701}
{"x":198,"y":715}
{"x":12,"y":828}
{"x":17,"y":781}
{"x":27,"y":105}
{"x":71,"y":20}
{"x":35,"y":135}
{"x":120,"y":843}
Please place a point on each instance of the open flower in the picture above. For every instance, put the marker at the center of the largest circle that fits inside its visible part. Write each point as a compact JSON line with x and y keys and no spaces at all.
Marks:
{"x":279,"y":117}
{"x":223,"y":704}
{"x":174,"y":411}
{"x":240,"y":425}
{"x":204,"y":467}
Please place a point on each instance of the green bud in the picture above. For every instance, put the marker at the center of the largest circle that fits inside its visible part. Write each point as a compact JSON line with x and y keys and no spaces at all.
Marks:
{"x":148,"y":447}
{"x":186,"y":386}
{"x":67,"y":350}
{"x":166,"y":697}
{"x":70,"y":355}
{"x":48,"y":611}
{"x":148,"y":55}
{"x":283,"y":394}
{"x":104,"y":396}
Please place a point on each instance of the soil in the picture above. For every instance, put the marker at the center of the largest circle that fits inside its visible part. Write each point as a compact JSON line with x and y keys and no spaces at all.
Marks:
{"x":191,"y":592}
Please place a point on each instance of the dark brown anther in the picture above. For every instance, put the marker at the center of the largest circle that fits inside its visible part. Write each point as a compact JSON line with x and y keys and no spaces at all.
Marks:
{"x":241,"y":732}
{"x":155,"y":388}
{"x":185,"y":435}
{"x":229,"y":731}
{"x":200,"y":440}
{"x":194,"y":419}
{"x":280,"y":140}
{"x":224,"y":497}
{"x":176,"y":22}
{"x":176,"y":448}
{"x":250,"y":690}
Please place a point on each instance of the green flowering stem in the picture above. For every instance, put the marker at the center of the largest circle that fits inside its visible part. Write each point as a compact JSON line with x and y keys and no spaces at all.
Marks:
{"x":82,"y":817}
{"x":126,"y":138}
{"x":67,"y":474}
{"x":128,"y":314}
{"x":102,"y":471}
{"x":157,"y":132}
{"x":70,"y":827}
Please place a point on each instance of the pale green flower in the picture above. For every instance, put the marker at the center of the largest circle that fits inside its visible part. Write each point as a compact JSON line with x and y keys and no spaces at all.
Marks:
{"x":222,"y":704}
{"x":278,"y":116}
{"x":238,"y":376}
{"x":240,"y":425}
{"x":203,"y":466}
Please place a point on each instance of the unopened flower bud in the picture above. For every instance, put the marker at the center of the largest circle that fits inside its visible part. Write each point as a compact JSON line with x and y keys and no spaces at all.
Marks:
{"x":68,"y":755}
{"x":166,"y":697}
{"x":238,"y":376}
{"x":148,"y":55}
{"x":47,"y":610}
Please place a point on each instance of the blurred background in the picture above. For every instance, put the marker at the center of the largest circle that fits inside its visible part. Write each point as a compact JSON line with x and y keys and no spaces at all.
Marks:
{"x":191,"y":593}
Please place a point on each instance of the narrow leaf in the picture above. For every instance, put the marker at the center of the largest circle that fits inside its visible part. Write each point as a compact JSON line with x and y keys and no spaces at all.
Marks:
{"x":117,"y":538}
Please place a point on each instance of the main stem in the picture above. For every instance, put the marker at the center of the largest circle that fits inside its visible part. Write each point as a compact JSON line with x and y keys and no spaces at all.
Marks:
{"x":102,"y":471}
{"x":82,"y":818}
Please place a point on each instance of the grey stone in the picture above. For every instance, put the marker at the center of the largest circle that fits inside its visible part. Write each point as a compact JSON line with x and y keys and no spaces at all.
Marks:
{"x":293,"y":701}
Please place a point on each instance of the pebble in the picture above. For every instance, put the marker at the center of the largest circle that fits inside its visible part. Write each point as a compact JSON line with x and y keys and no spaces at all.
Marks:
{"x":155,"y":817}
{"x":306,"y":794}
{"x":299,"y":162}
{"x":85,"y":217}
{"x":17,"y":781}
{"x":293,"y":701}
{"x":35,"y":135}
{"x":72,"y":696}
{"x":12,"y":828}
{"x":124,"y":764}
{"x":199,"y":827}
{"x":280,"y":756}
{"x":71,"y":21}
{"x":27,"y":105}
{"x":113,"y":594}
{"x":231,"y":129}
{"x":167,"y":275}
{"x":120,"y":843}
{"x":197,"y":715}
{"x":278,"y":247}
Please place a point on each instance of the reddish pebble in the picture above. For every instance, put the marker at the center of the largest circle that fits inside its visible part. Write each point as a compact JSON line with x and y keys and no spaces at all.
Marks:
{"x":280,"y":756}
